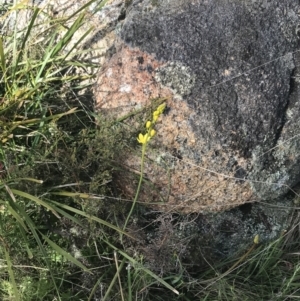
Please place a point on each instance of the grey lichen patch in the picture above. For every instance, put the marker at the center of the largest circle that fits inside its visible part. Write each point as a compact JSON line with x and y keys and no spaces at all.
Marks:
{"x":154,"y":2}
{"x":178,"y":77}
{"x":273,"y":185}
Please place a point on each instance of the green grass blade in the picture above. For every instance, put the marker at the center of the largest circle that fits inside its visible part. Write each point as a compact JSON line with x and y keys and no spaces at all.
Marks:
{"x":68,"y":35}
{"x":32,"y":227}
{"x":65,"y":254}
{"x":25,"y":39}
{"x":94,"y":218}
{"x":78,"y":42}
{"x":103,"y":2}
{"x":113,"y":281}
{"x":2,"y":57}
{"x":29,"y":179}
{"x":73,"y":194}
{"x":35,"y":199}
{"x":95,"y":287}
{"x":78,"y":194}
{"x":30,"y":26}
{"x":11,"y":276}
{"x":17,"y":217}
{"x":12,"y":208}
{"x":30,"y":255}
{"x":129,"y":284}
{"x":42,"y":119}
{"x":47,"y":57}
{"x":68,"y":216}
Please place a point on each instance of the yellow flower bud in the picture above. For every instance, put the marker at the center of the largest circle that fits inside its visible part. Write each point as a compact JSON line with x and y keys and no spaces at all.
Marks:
{"x":161,"y":108}
{"x":155,"y":116}
{"x":156,"y":113}
{"x":152,"y":133}
{"x":148,"y":124}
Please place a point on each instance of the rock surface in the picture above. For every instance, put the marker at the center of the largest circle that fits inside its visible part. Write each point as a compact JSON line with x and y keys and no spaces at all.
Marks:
{"x":202,"y":238}
{"x":230,"y":72}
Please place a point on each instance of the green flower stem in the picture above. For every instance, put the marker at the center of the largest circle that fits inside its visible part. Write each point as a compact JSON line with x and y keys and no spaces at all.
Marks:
{"x":144,"y":139}
{"x":139,"y":186}
{"x":256,"y":242}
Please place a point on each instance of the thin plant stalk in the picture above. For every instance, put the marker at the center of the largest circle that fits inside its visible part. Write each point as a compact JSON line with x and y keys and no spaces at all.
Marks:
{"x":144,"y":139}
{"x":119,"y":279}
{"x":138,"y":188}
{"x":113,"y":280}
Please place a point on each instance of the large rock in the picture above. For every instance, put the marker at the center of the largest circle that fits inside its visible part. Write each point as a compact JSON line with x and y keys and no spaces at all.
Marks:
{"x":230,"y":71}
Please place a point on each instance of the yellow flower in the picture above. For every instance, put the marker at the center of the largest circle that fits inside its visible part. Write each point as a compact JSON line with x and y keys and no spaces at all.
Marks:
{"x":148,"y":124}
{"x":143,"y":138}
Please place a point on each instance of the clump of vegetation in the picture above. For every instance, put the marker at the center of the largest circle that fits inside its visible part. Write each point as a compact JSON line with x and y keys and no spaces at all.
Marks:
{"x":65,"y":233}
{"x":57,"y":162}
{"x":51,"y":151}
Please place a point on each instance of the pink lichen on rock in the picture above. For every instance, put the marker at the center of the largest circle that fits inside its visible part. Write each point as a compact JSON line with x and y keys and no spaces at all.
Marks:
{"x":127,"y":81}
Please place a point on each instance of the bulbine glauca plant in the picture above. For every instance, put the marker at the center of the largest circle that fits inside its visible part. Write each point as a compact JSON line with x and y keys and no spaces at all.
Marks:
{"x":143,"y":139}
